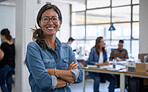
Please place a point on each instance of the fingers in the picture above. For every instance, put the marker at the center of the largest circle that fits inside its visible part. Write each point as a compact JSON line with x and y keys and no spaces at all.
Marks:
{"x":70,"y":65}
{"x":73,"y":66}
{"x":107,"y":63}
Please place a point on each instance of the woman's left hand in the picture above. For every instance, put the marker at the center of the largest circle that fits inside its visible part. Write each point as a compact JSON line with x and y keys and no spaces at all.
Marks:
{"x":73,"y":66}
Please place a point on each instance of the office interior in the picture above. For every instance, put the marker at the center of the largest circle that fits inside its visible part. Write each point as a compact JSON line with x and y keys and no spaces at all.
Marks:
{"x":84,"y":20}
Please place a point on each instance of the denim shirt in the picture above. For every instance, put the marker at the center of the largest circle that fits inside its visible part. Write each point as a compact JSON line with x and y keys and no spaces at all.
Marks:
{"x":94,"y":57}
{"x":37,"y":60}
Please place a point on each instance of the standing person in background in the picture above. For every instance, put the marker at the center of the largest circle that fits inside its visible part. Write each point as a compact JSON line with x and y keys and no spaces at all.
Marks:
{"x":119,"y":54}
{"x":98,"y":56}
{"x":52,"y":65}
{"x":70,"y":40}
{"x":7,"y":63}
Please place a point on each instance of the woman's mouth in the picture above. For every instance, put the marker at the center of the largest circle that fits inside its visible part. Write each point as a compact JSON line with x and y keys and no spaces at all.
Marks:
{"x":50,"y":28}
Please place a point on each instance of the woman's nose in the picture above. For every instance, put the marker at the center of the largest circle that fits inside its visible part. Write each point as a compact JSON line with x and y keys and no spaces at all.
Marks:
{"x":50,"y":21}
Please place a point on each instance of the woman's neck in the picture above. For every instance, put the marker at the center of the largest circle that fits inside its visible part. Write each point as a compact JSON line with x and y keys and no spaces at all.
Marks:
{"x":51,"y":41}
{"x":9,"y":42}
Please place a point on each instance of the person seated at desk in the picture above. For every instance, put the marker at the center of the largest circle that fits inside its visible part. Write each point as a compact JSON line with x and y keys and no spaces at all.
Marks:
{"x":119,"y":54}
{"x":98,"y":56}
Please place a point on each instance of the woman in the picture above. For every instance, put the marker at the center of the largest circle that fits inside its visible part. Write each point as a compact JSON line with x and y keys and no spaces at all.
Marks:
{"x":52,"y":64}
{"x":98,"y":56}
{"x":7,"y":63}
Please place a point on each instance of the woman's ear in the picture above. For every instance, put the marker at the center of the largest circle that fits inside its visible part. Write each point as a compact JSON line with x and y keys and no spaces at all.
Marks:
{"x":60,"y":22}
{"x":39,"y":23}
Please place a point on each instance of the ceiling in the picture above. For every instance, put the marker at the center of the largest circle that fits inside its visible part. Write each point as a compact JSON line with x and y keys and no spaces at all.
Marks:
{"x":12,"y":2}
{"x":2,"y":0}
{"x":7,"y":2}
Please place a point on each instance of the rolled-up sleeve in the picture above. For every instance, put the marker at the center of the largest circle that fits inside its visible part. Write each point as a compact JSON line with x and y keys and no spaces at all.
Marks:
{"x":54,"y":81}
{"x":75,"y":73}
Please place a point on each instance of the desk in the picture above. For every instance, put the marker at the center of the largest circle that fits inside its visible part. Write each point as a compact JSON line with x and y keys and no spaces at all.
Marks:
{"x":122,"y":76}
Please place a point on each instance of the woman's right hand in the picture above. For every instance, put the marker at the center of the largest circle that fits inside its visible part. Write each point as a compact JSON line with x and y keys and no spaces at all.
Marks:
{"x":73,"y":66}
{"x":107,"y":63}
{"x":101,"y":64}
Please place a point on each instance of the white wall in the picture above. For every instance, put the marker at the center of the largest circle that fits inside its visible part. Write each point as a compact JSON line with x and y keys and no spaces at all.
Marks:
{"x":143,"y":18}
{"x":7,"y":18}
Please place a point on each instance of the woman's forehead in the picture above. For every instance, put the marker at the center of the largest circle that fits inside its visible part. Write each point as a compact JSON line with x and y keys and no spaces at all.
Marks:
{"x":50,"y":12}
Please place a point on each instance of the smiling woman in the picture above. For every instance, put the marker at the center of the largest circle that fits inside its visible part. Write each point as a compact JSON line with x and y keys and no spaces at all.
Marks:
{"x":52,"y":64}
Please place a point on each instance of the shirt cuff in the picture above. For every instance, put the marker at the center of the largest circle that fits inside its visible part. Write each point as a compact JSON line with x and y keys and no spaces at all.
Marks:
{"x":75,"y":73}
{"x":54,"y":81}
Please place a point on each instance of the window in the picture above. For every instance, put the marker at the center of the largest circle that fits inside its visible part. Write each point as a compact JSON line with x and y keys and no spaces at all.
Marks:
{"x":121,"y":14}
{"x":78,"y":18}
{"x":93,"y":19}
{"x":93,"y":31}
{"x":97,"y":3}
{"x":98,"y":16}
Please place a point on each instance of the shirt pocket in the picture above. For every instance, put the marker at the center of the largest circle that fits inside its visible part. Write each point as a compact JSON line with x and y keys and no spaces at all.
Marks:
{"x":49,"y":63}
{"x":65,"y":64}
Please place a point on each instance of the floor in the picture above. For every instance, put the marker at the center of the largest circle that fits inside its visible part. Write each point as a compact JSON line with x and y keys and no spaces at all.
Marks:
{"x":88,"y":87}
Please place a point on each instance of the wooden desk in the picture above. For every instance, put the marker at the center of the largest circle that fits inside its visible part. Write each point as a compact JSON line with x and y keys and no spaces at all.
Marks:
{"x":122,"y":76}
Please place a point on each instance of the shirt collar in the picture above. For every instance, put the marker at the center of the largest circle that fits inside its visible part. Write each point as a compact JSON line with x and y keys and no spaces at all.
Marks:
{"x":120,"y":50}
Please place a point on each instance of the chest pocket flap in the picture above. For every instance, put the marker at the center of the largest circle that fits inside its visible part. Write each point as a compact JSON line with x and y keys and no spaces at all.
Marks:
{"x":49,"y":63}
{"x":65,"y":64}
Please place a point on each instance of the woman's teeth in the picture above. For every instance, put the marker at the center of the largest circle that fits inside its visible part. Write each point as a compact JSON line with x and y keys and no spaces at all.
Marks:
{"x":50,"y":28}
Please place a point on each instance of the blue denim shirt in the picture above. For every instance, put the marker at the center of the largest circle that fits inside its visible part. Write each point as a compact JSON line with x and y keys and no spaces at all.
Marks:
{"x":37,"y":60}
{"x":94,"y":57}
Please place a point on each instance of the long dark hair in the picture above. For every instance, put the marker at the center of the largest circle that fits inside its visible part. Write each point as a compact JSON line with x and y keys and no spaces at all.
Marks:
{"x":6,"y":32}
{"x":38,"y":33}
{"x":97,"y":46}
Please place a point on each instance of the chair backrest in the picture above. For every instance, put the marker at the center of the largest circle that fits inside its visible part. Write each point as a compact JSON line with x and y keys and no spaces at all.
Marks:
{"x":141,"y":56}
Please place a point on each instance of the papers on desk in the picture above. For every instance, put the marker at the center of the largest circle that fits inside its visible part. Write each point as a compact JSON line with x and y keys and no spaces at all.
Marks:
{"x":119,"y":62}
{"x":109,"y":67}
{"x":119,"y":68}
{"x":106,"y":67}
{"x":91,"y":66}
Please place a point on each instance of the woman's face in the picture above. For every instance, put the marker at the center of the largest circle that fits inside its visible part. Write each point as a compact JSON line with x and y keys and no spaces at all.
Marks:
{"x":50,"y":22}
{"x":102,"y":44}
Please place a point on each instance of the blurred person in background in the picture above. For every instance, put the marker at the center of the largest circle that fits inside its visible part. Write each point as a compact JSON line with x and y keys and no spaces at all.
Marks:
{"x":119,"y":54}
{"x":70,"y":40}
{"x":98,"y":56}
{"x":7,"y":63}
